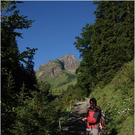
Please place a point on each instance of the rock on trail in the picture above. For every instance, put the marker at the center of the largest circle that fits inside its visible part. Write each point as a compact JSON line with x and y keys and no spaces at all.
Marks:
{"x":75,"y":125}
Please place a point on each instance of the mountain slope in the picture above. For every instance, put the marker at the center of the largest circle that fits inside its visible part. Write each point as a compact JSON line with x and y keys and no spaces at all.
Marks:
{"x":59,"y":72}
{"x":117,"y":101}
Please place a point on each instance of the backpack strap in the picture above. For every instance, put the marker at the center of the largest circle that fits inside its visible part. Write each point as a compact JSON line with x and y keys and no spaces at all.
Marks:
{"x":97,"y":107}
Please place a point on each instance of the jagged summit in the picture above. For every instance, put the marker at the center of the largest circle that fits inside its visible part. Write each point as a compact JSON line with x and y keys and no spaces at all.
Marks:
{"x":69,"y":62}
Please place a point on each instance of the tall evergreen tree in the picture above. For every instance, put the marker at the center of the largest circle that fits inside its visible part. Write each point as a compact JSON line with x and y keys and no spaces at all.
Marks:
{"x":85,"y":70}
{"x":110,"y":43}
{"x":13,"y":73}
{"x":109,"y":51}
{"x":9,"y":50}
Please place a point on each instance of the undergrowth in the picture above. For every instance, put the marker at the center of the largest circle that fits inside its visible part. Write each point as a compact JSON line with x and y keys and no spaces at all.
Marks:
{"x":117,"y":101}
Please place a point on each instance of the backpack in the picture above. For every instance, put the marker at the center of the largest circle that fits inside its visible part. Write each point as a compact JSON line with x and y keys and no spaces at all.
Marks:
{"x":94,"y":116}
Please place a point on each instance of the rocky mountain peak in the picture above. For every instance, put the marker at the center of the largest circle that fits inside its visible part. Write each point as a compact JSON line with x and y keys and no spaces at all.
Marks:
{"x":56,"y":67}
{"x":70,"y":62}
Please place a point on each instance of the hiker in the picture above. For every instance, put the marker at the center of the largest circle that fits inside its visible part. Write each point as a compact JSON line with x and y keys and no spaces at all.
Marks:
{"x":93,"y":118}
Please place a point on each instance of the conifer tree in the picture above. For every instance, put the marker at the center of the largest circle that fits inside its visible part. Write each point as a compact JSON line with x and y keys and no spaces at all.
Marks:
{"x":85,"y":70}
{"x":11,"y":62}
{"x":109,"y":45}
{"x":109,"y":48}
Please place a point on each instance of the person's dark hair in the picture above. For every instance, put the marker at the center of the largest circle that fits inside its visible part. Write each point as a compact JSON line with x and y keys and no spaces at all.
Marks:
{"x":94,"y":101}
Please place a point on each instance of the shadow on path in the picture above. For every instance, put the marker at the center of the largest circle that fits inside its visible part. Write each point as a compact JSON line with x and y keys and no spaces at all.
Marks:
{"x":75,"y":125}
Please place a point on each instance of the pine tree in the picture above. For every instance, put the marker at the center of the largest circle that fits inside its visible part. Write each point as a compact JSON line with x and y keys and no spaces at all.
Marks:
{"x":8,"y":104}
{"x":109,"y":52}
{"x":10,"y":54}
{"x":85,"y":70}
{"x":11,"y":61}
{"x":109,"y":45}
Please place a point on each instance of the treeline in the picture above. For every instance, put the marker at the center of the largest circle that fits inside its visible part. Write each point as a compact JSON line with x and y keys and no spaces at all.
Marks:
{"x":27,"y":107}
{"x":105,"y":45}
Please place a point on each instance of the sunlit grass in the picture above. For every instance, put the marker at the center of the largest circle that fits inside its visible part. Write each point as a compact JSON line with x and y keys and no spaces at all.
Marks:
{"x":117,"y":100}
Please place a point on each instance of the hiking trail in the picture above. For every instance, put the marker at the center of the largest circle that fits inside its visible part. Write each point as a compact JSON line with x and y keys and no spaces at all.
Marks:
{"x":75,"y":125}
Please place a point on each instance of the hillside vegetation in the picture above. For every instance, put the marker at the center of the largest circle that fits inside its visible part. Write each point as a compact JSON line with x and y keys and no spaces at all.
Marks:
{"x":117,"y":100}
{"x":65,"y":78}
{"x":61,"y":89}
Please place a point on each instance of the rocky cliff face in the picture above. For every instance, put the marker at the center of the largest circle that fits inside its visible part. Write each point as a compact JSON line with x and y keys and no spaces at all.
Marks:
{"x":56,"y":67}
{"x":70,"y":63}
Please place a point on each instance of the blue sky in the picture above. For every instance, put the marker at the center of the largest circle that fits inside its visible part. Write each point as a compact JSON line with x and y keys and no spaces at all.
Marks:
{"x":56,"y":25}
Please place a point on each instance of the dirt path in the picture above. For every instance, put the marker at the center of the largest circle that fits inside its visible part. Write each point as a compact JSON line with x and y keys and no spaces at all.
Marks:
{"x":75,"y":125}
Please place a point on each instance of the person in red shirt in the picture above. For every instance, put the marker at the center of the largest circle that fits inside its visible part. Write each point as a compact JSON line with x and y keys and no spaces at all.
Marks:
{"x":93,"y":118}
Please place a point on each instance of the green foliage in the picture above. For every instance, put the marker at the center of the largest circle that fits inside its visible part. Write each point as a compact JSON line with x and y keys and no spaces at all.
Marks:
{"x":34,"y":114}
{"x":7,"y":111}
{"x":86,"y":70}
{"x":40,"y":114}
{"x":13,"y":72}
{"x":117,"y":100}
{"x":105,"y":45}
